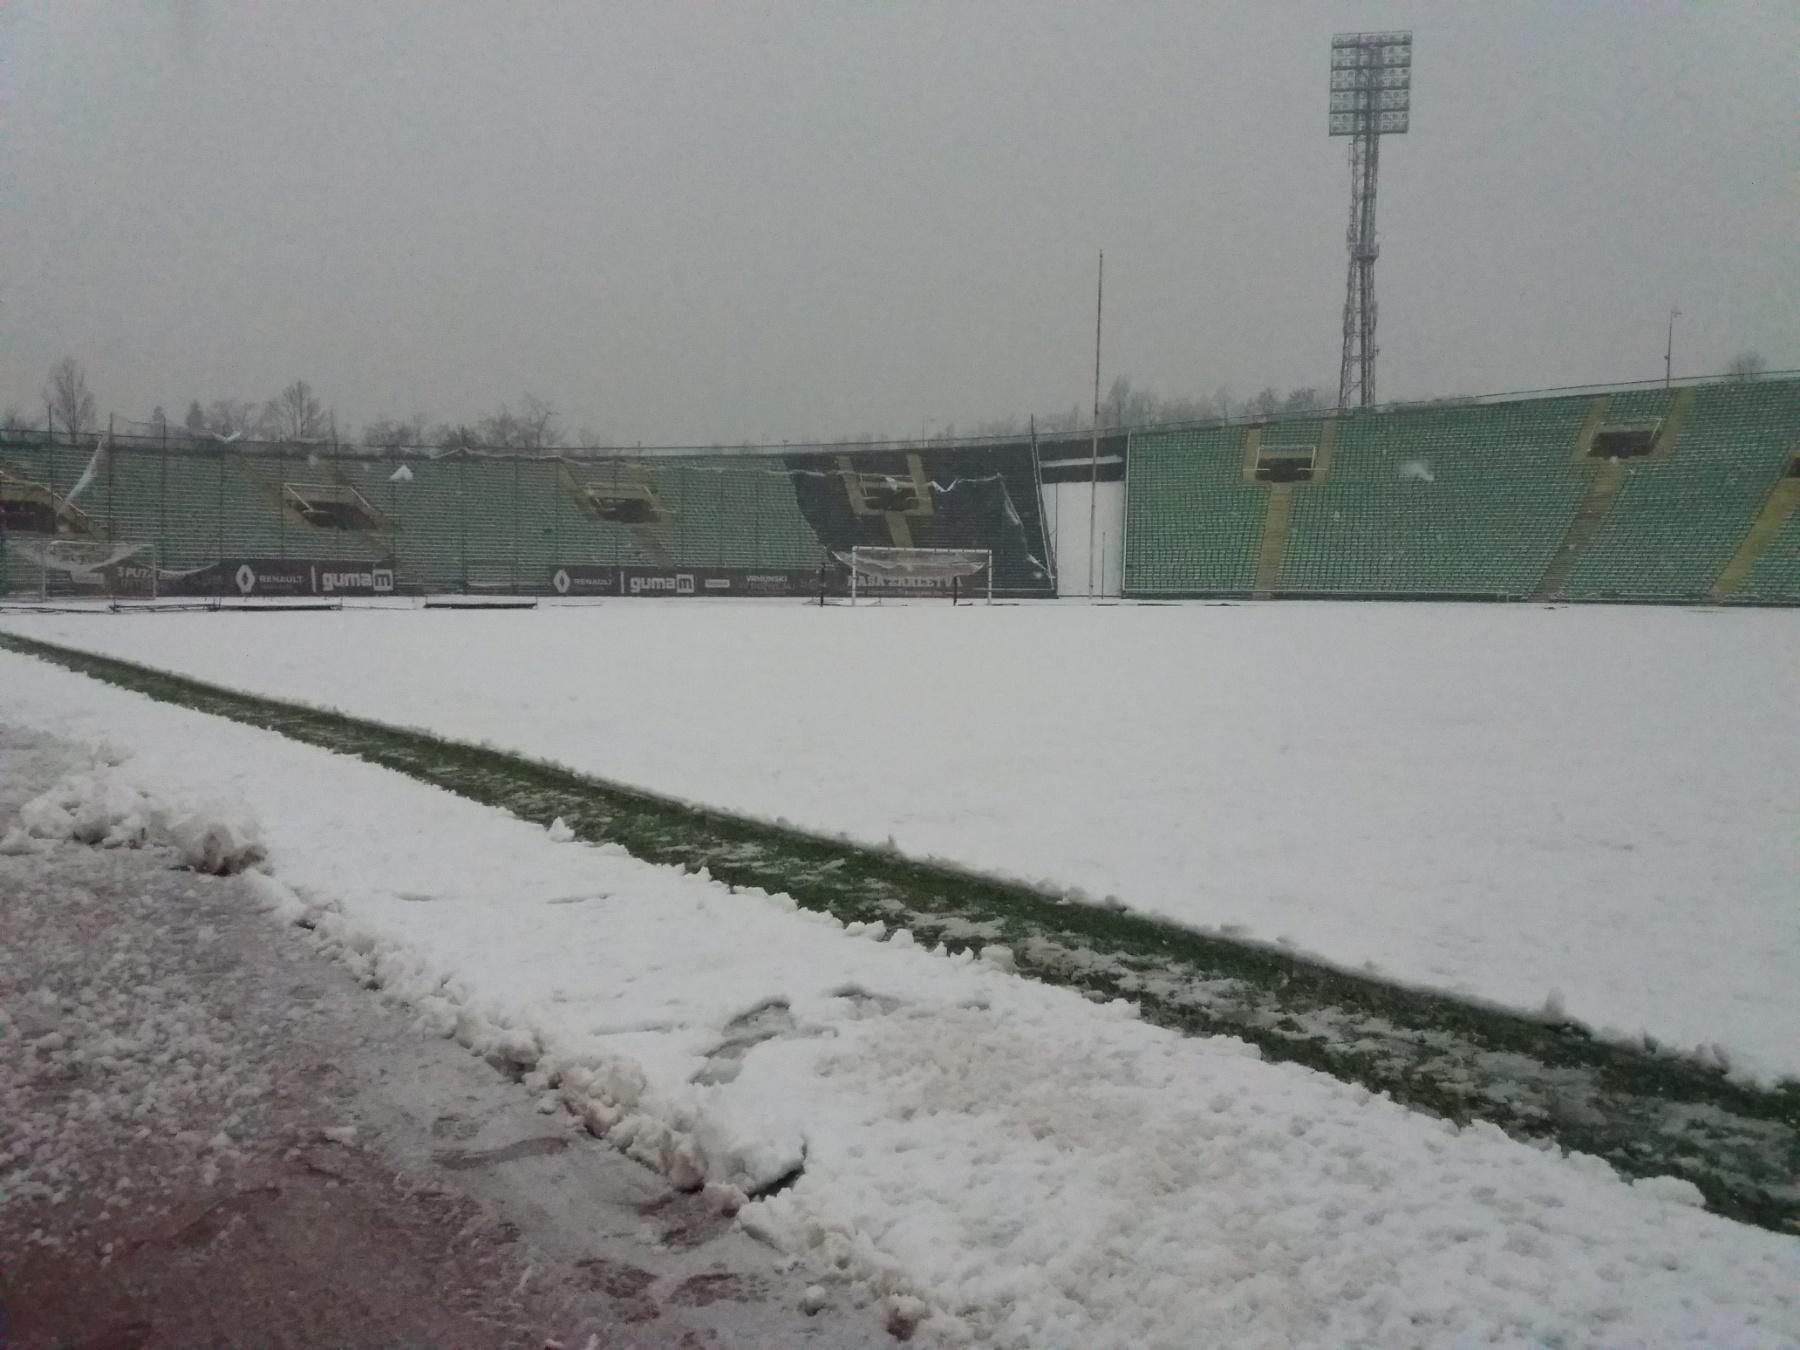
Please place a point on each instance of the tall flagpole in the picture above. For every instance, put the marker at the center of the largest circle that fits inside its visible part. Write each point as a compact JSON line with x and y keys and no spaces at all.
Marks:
{"x":1094,"y":445}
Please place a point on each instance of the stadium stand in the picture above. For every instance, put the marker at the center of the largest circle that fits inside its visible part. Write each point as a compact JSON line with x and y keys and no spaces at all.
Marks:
{"x":29,"y":501}
{"x":738,"y":513}
{"x":1638,"y":494}
{"x":190,"y":520}
{"x":1683,"y":509}
{"x":1774,"y":575}
{"x":1192,"y":524}
{"x":431,"y":526}
{"x":1670,"y":495}
{"x":1456,"y":501}
{"x":488,"y":517}
{"x":137,"y":495}
{"x":473,"y":521}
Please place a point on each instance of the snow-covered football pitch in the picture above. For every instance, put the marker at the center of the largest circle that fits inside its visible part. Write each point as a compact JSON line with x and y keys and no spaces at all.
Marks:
{"x":1596,"y":809}
{"x":1587,"y":813}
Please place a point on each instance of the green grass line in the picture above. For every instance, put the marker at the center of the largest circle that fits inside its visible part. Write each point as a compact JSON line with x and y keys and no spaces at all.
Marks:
{"x":1646,"y":1112}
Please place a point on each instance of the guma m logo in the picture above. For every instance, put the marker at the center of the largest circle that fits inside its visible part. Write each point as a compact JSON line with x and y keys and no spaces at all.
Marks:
{"x":378,"y":580}
{"x":680,"y":584}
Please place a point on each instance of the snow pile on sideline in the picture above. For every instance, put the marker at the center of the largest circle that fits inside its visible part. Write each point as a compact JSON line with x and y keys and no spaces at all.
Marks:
{"x":985,"y":1159}
{"x":100,"y":806}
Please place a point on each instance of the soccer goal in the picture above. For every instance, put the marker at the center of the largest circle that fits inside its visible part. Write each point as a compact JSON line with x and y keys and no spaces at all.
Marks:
{"x":954,"y":574}
{"x":91,"y":569}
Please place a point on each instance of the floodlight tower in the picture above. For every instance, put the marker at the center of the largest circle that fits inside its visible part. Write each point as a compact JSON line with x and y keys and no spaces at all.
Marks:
{"x":1371,"y":97}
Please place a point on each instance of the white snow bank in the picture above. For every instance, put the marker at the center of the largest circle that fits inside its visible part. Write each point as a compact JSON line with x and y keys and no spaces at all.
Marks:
{"x":994,"y":1159}
{"x":101,"y":806}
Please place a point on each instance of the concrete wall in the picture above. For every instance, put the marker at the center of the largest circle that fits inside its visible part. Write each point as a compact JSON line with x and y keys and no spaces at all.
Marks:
{"x":1066,"y":516}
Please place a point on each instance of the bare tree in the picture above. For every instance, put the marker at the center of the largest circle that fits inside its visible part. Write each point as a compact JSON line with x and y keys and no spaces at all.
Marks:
{"x":1118,"y":396}
{"x":227,"y":418}
{"x":1747,"y":365}
{"x":1128,"y":406}
{"x":13,"y":426}
{"x":388,"y":433}
{"x":1186,"y":409}
{"x":1144,"y":408}
{"x":1060,"y":423}
{"x":532,"y":427}
{"x":993,"y":427}
{"x":457,"y":437}
{"x":71,"y":402}
{"x":1266,"y":402}
{"x":295,"y":415}
{"x":537,"y":423}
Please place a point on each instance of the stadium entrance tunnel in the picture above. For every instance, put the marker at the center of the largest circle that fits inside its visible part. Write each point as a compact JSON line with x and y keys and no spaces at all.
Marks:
{"x":1643,"y":1109}
{"x":28,"y":507}
{"x":1625,"y":442}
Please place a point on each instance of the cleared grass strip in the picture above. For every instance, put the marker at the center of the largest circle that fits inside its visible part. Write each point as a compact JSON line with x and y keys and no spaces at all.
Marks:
{"x":1647,"y":1112}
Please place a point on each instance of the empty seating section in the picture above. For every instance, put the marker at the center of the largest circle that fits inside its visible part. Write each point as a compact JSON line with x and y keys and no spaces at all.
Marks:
{"x":697,"y":499}
{"x":373,"y":480}
{"x":1679,"y":518}
{"x":250,"y":511}
{"x":1193,"y":525}
{"x":481,"y":522}
{"x":430,"y":535}
{"x":189,"y":522}
{"x":490,"y":522}
{"x":737,"y":511}
{"x":135,"y":498}
{"x":584,"y":529}
{"x":1775,"y":575}
{"x":1495,"y":500}
{"x":553,"y":531}
{"x":1438,"y":501}
{"x":31,"y":463}
{"x":257,"y":517}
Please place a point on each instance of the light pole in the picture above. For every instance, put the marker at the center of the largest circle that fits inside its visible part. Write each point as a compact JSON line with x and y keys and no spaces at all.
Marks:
{"x":1669,"y":350}
{"x":1371,"y":97}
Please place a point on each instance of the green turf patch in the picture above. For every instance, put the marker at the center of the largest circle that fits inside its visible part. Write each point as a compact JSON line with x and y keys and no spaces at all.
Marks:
{"x":1646,"y":1112}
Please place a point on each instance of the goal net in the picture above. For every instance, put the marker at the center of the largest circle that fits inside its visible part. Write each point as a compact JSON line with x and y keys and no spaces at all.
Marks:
{"x":953,"y":574}
{"x":76,"y":569}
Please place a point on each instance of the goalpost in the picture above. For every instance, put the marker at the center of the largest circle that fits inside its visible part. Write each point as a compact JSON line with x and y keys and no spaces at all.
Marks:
{"x":955,"y":574}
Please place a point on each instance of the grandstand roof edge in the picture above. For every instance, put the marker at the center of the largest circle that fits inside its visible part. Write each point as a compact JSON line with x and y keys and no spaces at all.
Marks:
{"x":347,"y":451}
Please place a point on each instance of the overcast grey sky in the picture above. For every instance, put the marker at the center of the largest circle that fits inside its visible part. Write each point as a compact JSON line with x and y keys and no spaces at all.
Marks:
{"x":685,"y":222}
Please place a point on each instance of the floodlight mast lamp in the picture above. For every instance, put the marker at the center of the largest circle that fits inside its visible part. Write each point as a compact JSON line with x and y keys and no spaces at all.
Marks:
{"x":1371,"y":97}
